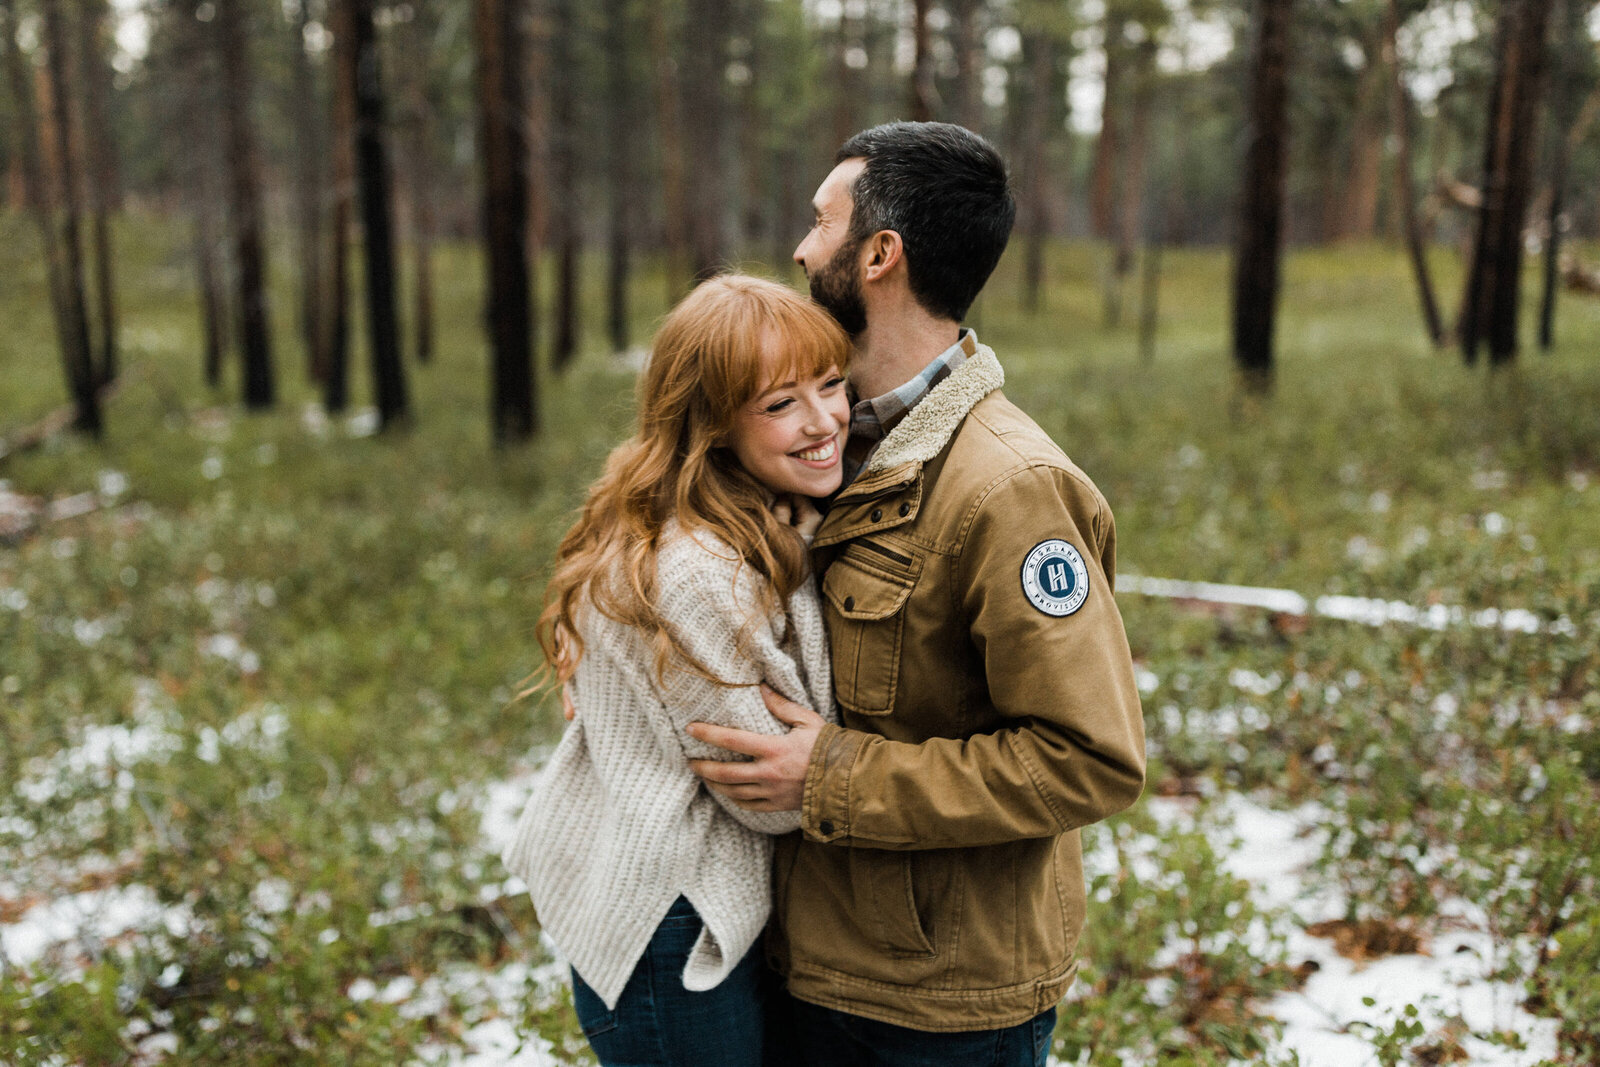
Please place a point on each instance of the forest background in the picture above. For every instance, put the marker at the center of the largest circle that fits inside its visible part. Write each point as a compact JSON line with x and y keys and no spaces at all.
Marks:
{"x":319,"y":316}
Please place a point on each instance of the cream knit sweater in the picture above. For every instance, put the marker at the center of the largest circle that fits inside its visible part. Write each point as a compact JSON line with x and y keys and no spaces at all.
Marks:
{"x":618,"y":826}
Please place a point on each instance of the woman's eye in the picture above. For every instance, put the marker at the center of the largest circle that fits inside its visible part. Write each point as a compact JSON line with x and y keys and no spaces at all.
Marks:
{"x":779,"y":405}
{"x":834,"y":382}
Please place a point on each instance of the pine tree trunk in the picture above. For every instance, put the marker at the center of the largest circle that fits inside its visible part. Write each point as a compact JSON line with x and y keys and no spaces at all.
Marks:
{"x":1038,"y":49}
{"x":501,"y":85}
{"x":100,"y":171}
{"x":78,"y":353}
{"x":377,"y":224}
{"x":1494,"y":283}
{"x":27,"y":156}
{"x":244,"y":203}
{"x":1404,"y":182}
{"x":564,"y":186}
{"x":619,"y":177}
{"x":1359,"y":200}
{"x":1108,"y":145}
{"x":705,"y":59}
{"x":923,"y":93}
{"x":308,"y":186}
{"x":341,"y":137}
{"x":674,"y":199}
{"x":1565,"y":113}
{"x":1257,"y":257}
{"x":419,"y":172}
{"x":967,"y":42}
{"x":1130,"y":206}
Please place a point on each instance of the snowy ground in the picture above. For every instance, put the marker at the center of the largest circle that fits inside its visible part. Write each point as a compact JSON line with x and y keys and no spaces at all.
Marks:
{"x":1447,"y":980}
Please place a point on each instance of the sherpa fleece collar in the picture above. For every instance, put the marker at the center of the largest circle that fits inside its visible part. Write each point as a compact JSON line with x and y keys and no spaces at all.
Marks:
{"x":928,"y":427}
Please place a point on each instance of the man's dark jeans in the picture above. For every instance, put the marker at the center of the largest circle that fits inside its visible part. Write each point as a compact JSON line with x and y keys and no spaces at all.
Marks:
{"x":822,"y":1037}
{"x":658,"y":1023}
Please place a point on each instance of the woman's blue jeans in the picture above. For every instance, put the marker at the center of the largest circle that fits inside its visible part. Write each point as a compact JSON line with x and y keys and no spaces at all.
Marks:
{"x":658,"y":1023}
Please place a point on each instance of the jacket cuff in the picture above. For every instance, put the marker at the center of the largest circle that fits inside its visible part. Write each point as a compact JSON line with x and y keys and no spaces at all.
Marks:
{"x":825,"y":799}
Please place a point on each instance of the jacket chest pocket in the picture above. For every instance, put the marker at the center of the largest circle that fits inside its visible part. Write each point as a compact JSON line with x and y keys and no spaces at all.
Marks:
{"x":866,"y":623}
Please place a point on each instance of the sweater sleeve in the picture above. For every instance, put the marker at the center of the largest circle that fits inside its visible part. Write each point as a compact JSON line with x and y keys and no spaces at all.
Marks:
{"x":712,"y":605}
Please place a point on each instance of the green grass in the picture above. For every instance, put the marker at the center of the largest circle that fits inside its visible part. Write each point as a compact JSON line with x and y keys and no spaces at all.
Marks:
{"x":381,"y":591}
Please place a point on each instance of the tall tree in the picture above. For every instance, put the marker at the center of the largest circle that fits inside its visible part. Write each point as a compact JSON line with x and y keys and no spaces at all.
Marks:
{"x":619,"y":169}
{"x":1259,"y":248}
{"x":244,"y":204}
{"x":669,"y":128}
{"x":421,"y":110}
{"x":94,"y":76}
{"x":566,"y":220}
{"x":921,"y":105}
{"x":1404,"y":178}
{"x":1108,"y":144}
{"x":499,"y":38}
{"x":1573,"y":74}
{"x":1510,"y":143}
{"x":342,"y":136}
{"x":377,"y":223}
{"x":1039,"y":56}
{"x":80,"y":360}
{"x":73,"y":347}
{"x":309,"y":184}
{"x":966,"y":40}
{"x":705,"y":62}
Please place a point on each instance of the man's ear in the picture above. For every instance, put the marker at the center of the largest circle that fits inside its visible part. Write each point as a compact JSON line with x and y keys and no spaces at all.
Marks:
{"x":884,"y":252}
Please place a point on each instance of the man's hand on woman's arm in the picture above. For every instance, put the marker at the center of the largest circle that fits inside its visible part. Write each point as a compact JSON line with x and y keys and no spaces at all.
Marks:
{"x":774,"y":779}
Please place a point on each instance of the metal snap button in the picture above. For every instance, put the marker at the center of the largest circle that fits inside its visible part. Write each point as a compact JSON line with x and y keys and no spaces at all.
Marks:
{"x":905,"y":509}
{"x":877,"y":513}
{"x":826,"y":827}
{"x":849,"y":603}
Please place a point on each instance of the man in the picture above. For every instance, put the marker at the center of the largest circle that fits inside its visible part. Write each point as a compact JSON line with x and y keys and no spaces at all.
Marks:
{"x":930,"y":908}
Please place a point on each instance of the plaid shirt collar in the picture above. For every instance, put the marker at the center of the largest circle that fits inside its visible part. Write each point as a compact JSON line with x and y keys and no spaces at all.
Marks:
{"x":872,"y":419}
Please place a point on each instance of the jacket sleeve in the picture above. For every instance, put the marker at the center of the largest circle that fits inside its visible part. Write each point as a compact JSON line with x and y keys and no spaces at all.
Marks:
{"x":714,"y":609}
{"x":1071,"y":751}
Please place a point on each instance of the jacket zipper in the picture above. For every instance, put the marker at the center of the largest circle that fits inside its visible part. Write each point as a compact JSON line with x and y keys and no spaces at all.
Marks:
{"x":904,"y":561}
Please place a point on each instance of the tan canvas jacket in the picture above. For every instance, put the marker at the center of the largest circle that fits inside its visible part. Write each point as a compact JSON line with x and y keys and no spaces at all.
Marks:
{"x":987,"y":711}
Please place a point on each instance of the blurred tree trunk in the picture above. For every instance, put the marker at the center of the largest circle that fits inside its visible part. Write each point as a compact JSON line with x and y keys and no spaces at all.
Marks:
{"x":197,"y":120}
{"x":1358,"y":218}
{"x":923,"y":94}
{"x":501,"y":87}
{"x":966,"y":39}
{"x":77,"y":349}
{"x":244,"y":204}
{"x":674,"y":199}
{"x":1108,"y":145}
{"x":377,"y":223}
{"x":1130,"y":197}
{"x":101,"y":184}
{"x":1259,"y":250}
{"x":308,"y":189}
{"x":567,"y":217}
{"x":342,"y":137}
{"x":1039,"y":54}
{"x":1494,"y":282}
{"x":27,"y":156}
{"x":1566,"y":110}
{"x":421,"y":107}
{"x":848,"y":95}
{"x":1404,"y":180}
{"x":705,"y":54}
{"x":620,"y":124}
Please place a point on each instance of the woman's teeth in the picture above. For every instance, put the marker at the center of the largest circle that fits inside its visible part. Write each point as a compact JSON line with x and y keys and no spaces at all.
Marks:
{"x":819,"y":454}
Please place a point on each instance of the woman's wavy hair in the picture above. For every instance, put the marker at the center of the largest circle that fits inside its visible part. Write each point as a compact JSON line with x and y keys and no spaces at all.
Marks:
{"x":707,"y":362}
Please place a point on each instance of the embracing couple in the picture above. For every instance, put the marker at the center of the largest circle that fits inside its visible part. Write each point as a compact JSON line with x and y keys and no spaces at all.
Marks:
{"x":836,"y":584}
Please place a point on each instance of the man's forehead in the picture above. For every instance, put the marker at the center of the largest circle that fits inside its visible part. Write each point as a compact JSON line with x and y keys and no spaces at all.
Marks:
{"x":837,"y":183}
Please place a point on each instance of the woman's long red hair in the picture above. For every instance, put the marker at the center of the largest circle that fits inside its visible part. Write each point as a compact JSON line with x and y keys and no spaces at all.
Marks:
{"x":706,"y":363}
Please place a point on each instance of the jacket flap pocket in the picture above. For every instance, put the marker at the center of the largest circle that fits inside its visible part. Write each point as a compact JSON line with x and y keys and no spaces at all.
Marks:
{"x":863,"y":595}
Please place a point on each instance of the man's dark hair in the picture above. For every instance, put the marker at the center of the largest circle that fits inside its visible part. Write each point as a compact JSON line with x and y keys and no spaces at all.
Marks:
{"x":943,"y":189}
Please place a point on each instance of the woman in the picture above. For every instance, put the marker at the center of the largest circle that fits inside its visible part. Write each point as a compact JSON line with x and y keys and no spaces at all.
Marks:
{"x":684,"y":584}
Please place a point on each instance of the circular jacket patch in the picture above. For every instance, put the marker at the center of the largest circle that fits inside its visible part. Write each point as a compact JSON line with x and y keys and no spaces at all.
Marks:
{"x":1054,"y":578}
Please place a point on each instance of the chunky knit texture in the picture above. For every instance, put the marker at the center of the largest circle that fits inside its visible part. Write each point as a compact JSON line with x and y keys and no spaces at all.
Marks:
{"x":618,"y":826}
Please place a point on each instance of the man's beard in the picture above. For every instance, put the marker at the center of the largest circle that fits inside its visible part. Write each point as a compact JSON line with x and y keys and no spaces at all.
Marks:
{"x":837,"y":289}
